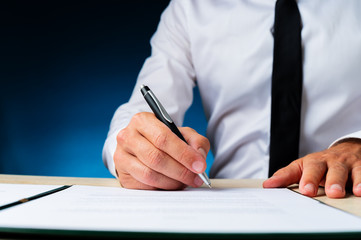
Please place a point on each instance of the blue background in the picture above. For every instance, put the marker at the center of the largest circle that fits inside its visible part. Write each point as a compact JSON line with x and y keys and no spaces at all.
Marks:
{"x":65,"y":67}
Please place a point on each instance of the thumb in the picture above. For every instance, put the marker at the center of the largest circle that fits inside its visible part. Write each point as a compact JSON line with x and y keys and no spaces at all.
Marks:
{"x":285,"y":176}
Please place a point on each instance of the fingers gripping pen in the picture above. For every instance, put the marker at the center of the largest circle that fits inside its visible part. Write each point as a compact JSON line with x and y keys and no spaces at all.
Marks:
{"x":164,"y":117}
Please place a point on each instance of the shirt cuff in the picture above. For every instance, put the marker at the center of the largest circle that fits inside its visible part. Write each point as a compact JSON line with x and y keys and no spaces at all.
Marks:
{"x":108,"y":152}
{"x":354,"y":135}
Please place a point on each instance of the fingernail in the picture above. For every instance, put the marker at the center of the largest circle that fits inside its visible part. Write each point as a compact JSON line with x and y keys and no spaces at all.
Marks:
{"x":198,"y":166}
{"x":203,"y":152}
{"x":358,"y":187}
{"x":336,"y":187}
{"x":198,"y":181}
{"x":309,"y":188}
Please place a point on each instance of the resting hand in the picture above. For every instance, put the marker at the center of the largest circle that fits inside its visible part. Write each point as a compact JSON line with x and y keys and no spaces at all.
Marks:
{"x":150,"y":156}
{"x":330,"y":168}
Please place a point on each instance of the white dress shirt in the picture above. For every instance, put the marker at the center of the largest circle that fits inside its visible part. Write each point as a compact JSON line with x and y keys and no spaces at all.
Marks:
{"x":226,"y":48}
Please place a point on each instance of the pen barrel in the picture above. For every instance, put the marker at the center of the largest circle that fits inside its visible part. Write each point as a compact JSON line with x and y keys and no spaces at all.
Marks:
{"x":158,"y":114}
{"x":175,"y":130}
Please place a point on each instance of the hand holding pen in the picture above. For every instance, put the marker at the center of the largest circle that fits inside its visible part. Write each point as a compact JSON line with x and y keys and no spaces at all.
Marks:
{"x":164,"y":117}
{"x":149,"y":155}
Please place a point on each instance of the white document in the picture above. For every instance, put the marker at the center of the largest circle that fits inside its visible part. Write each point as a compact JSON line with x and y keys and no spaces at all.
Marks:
{"x":13,"y":192}
{"x":200,"y":210}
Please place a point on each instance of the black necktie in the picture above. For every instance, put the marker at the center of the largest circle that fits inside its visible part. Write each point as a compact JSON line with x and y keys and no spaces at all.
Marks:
{"x":286,"y":85}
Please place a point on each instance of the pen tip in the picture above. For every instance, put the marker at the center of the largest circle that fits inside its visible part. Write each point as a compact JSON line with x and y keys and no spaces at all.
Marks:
{"x":209,"y":185}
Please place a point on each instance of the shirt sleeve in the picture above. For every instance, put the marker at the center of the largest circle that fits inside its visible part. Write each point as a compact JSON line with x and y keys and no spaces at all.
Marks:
{"x":168,"y":72}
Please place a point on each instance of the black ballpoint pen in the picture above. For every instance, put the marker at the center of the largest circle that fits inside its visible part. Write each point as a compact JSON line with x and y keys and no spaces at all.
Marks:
{"x":164,"y":117}
{"x":40,"y":195}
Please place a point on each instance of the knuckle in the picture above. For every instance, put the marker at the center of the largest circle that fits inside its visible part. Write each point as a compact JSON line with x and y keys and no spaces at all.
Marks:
{"x":293,"y":164}
{"x":319,"y":167}
{"x":125,"y":143}
{"x":187,"y":129}
{"x":205,"y":142}
{"x":184,"y":175}
{"x":138,"y":117}
{"x":160,"y":140}
{"x":155,"y":158}
{"x":119,"y":157}
{"x":339,"y":167}
{"x":298,"y":162}
{"x":122,"y":136}
{"x":306,"y":159}
{"x":344,"y":157}
{"x":353,"y":158}
{"x":148,"y":176}
{"x":184,"y":156}
{"x":315,"y":165}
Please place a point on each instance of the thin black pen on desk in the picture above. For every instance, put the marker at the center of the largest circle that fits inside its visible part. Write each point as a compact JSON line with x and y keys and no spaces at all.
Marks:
{"x":160,"y":112}
{"x":40,"y":195}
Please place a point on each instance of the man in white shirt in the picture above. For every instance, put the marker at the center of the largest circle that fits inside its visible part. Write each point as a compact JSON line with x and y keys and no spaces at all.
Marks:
{"x":226,"y":49}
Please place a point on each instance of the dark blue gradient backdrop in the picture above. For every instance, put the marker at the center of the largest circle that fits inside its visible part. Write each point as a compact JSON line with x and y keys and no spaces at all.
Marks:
{"x":65,"y":67}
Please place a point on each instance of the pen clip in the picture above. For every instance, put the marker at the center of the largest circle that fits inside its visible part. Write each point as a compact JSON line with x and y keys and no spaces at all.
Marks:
{"x":160,"y":107}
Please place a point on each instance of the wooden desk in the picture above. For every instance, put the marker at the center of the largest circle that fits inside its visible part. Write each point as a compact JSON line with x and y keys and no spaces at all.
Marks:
{"x":349,"y":204}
